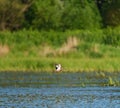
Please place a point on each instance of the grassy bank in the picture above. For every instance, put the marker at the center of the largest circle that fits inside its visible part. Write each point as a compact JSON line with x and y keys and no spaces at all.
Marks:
{"x":80,"y":50}
{"x":68,"y":64}
{"x":82,"y":57}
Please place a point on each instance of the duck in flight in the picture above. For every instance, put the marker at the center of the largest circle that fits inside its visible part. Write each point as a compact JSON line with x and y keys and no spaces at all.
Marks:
{"x":58,"y":67}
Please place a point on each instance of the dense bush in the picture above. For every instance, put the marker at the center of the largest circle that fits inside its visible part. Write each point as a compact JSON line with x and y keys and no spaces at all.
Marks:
{"x":112,"y":36}
{"x":79,"y":14}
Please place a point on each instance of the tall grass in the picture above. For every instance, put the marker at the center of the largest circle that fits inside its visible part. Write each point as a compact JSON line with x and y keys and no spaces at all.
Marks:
{"x":79,"y":50}
{"x":28,"y":38}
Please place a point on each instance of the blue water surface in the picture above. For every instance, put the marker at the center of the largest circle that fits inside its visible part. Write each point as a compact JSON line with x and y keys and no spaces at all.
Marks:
{"x":60,"y":97}
{"x":75,"y":90}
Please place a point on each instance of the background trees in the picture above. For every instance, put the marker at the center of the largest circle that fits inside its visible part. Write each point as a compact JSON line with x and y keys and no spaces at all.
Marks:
{"x":110,"y":12}
{"x":44,"y":14}
{"x":58,"y":14}
{"x":12,"y":13}
{"x":80,"y":14}
{"x":62,"y":15}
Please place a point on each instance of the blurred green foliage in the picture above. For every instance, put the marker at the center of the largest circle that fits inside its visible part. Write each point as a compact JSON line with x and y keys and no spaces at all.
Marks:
{"x":62,"y":15}
{"x":29,"y":38}
{"x":58,"y":15}
{"x":109,"y":10}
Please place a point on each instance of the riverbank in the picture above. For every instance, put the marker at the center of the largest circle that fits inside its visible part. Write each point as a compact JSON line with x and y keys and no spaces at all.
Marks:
{"x":76,"y":51}
{"x":46,"y":64}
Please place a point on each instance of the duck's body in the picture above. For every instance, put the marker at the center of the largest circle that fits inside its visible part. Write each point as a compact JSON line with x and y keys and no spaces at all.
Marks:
{"x":58,"y":67}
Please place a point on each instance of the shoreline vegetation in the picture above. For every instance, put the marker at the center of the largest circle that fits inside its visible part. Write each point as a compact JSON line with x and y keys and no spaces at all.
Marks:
{"x":68,"y":64}
{"x":76,"y":51}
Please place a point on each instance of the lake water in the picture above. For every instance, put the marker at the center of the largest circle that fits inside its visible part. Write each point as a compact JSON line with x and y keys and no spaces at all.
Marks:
{"x":58,"y":90}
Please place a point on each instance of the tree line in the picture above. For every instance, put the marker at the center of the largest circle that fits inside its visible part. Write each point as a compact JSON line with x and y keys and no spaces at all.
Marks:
{"x":58,"y":15}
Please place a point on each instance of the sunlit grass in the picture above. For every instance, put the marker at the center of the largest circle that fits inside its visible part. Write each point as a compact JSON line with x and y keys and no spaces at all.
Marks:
{"x":68,"y":64}
{"x":77,"y":51}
